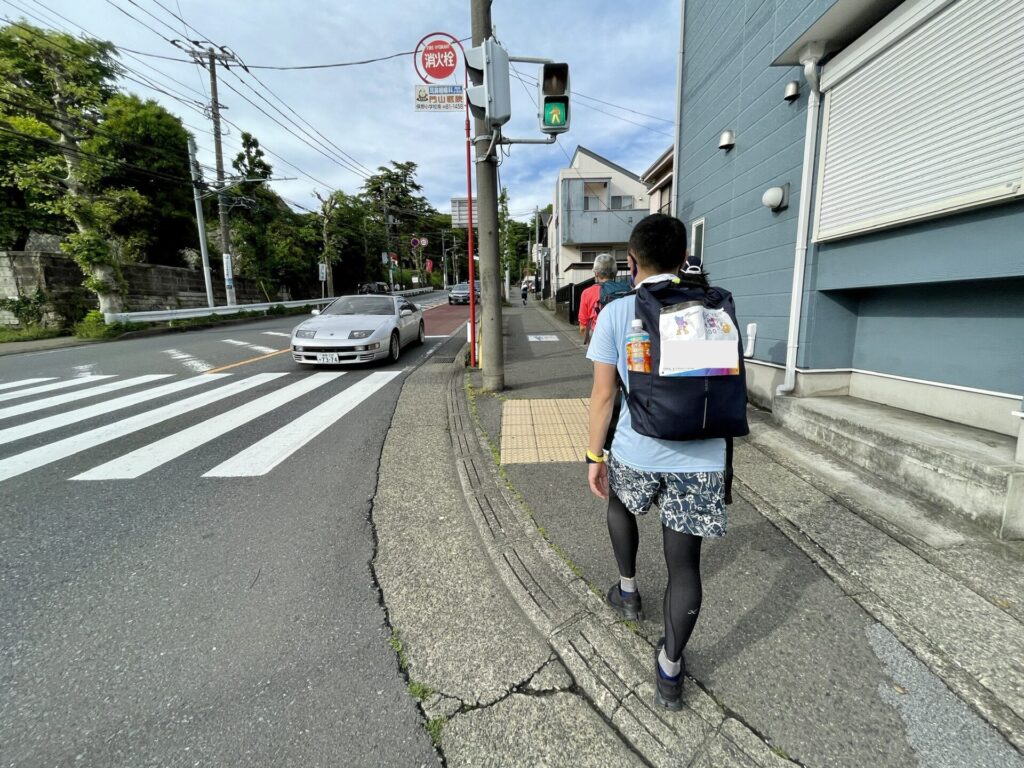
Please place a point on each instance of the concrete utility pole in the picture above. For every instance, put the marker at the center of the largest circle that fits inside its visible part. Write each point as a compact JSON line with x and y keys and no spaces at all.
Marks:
{"x":197,"y":179}
{"x":225,"y":233}
{"x":493,"y":358}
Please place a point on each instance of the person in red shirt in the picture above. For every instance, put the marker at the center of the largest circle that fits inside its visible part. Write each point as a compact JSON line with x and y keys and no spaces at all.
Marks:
{"x":605,"y":269}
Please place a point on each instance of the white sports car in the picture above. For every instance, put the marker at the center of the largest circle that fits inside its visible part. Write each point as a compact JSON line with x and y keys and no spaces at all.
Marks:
{"x":358,"y":329}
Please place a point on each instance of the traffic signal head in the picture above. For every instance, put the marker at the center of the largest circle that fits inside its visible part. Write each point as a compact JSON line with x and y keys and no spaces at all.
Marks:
{"x":553,"y":103}
{"x":489,"y":97}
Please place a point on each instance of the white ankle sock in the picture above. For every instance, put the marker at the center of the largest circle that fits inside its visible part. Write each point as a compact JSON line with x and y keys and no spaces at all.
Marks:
{"x":670,"y":668}
{"x":627,"y":585}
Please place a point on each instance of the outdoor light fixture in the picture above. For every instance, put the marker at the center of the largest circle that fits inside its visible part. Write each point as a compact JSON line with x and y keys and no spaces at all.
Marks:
{"x":792,"y":92}
{"x":727,"y":140}
{"x":776,"y":198}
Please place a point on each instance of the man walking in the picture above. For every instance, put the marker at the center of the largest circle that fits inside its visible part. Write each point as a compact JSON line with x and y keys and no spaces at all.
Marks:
{"x":605,"y":269}
{"x":684,"y":478}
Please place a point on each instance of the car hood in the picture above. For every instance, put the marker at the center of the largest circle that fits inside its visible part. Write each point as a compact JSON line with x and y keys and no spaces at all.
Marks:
{"x":339,"y":326}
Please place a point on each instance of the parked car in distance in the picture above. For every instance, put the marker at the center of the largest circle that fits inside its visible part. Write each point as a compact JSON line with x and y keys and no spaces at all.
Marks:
{"x":374,"y":288}
{"x":358,"y":329}
{"x":459,"y":293}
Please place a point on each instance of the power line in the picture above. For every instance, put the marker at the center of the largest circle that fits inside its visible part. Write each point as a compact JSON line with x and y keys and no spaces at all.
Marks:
{"x":334,"y":65}
{"x":577,"y":94}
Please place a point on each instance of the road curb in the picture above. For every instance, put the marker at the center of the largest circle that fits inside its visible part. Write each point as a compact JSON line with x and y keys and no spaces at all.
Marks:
{"x":610,"y":664}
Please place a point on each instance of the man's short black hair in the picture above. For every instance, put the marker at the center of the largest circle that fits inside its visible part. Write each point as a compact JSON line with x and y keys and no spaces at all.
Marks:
{"x":659,"y":242}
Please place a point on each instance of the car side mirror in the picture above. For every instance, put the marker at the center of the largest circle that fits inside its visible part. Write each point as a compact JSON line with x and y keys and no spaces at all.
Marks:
{"x":315,"y":312}
{"x":405,"y":312}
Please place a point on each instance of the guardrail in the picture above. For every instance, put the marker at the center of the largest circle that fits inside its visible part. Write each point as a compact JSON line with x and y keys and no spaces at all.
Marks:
{"x":163,"y":315}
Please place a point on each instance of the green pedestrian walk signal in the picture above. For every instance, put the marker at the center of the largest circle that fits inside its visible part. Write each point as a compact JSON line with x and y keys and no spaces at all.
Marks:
{"x":555,"y":113}
{"x":553,"y":104}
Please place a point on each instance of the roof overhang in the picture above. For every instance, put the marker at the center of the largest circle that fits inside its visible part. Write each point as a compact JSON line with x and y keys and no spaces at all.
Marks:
{"x":589,"y":265}
{"x":839,"y":26}
{"x":660,"y":170}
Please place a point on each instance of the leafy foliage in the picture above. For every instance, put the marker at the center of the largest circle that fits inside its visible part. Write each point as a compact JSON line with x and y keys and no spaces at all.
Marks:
{"x":27,"y":309}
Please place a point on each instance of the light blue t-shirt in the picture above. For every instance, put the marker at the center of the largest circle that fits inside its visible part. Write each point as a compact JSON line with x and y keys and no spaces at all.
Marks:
{"x":608,"y":345}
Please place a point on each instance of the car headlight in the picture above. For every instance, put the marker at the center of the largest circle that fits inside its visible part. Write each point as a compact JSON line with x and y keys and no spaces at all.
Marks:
{"x":375,"y":345}
{"x":305,"y":333}
{"x":359,"y":334}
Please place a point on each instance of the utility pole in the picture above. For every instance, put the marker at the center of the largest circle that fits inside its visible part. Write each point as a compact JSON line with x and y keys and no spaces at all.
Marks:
{"x":537,"y":280}
{"x":225,"y":233}
{"x":493,"y":358}
{"x":197,"y":179}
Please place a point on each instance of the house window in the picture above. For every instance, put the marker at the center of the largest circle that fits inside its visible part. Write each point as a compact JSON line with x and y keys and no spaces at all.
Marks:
{"x":946,"y":135}
{"x":591,"y":203}
{"x":588,"y":256}
{"x":622,"y":202}
{"x":697,"y":242}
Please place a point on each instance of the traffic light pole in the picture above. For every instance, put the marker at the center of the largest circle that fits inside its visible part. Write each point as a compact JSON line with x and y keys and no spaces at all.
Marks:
{"x":493,"y":357}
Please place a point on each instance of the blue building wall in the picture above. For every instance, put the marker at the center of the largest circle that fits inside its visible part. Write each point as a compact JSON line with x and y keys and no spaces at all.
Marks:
{"x":939,"y":300}
{"x":729,"y":83}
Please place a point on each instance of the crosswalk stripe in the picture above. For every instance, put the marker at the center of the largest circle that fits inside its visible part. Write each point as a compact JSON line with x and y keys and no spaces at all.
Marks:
{"x":99,"y":409}
{"x":261,"y":348}
{"x":151,"y":456}
{"x":25,"y":382}
{"x":253,"y":347}
{"x":261,"y":457}
{"x":235,"y":342}
{"x":277,"y":333}
{"x":70,"y":397}
{"x":189,"y":361}
{"x":47,"y":454}
{"x":77,"y":382}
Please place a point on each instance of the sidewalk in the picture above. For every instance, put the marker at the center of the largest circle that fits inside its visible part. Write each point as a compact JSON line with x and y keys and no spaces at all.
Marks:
{"x":809,"y":610}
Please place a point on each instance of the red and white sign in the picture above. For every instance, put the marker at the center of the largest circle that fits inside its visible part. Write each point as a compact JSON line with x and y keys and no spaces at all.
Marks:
{"x":429,"y":265}
{"x":439,"y":59}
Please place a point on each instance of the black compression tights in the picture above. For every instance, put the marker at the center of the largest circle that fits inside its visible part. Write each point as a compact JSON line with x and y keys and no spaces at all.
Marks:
{"x":682,"y":556}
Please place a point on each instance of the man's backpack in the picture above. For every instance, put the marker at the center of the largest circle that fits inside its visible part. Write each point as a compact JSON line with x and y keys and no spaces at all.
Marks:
{"x":685,"y":407}
{"x":610,"y":291}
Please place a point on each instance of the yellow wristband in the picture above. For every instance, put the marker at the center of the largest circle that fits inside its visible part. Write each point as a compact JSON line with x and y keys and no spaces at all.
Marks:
{"x":595,"y":458}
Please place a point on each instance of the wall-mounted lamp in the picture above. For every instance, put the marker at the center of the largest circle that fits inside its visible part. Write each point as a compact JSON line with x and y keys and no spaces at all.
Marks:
{"x":727,"y":140}
{"x":776,"y":198}
{"x":792,"y":92}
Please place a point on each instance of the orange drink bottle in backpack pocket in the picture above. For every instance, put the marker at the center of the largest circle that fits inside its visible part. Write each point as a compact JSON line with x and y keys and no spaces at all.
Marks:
{"x":638,"y":348}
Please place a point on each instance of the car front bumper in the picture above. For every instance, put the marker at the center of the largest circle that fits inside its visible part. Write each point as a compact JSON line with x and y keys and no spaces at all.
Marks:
{"x":318,"y":353}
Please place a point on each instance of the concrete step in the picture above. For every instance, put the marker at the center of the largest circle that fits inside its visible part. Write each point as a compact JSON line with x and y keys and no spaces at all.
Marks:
{"x":958,"y":469}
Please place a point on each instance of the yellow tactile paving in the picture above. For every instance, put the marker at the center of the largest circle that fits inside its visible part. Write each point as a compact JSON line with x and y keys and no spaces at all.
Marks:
{"x":536,"y":431}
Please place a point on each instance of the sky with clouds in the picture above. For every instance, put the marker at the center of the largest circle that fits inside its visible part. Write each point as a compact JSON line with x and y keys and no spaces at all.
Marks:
{"x":619,"y":52}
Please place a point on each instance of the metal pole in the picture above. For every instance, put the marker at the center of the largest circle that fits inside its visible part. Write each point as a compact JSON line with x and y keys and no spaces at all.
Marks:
{"x":469,"y":235}
{"x":197,"y":179}
{"x":493,"y":363}
{"x":225,"y":233}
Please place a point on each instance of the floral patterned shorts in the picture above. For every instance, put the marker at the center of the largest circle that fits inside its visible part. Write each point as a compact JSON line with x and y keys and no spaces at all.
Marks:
{"x":690,"y":502}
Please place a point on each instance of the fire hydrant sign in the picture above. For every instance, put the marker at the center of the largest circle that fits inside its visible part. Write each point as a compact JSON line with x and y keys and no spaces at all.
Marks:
{"x":439,"y":98}
{"x":438,"y":59}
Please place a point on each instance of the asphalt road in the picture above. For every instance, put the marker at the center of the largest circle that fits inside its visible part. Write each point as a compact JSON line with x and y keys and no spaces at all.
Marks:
{"x":184,"y":566}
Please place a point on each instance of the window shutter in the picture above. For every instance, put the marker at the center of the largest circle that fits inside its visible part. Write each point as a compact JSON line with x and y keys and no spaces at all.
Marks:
{"x":929,"y":125}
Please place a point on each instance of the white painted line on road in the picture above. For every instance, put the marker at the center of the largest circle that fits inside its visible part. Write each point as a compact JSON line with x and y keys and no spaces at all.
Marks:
{"x":259,"y":458}
{"x":47,"y":454}
{"x":25,"y":382}
{"x":277,"y":333}
{"x":189,"y":361}
{"x":151,"y":456}
{"x":253,"y":347}
{"x":70,"y":397}
{"x":73,"y":417}
{"x":57,"y":385}
{"x":436,"y":337}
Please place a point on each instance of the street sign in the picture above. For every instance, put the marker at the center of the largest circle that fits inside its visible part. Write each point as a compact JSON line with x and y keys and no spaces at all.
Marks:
{"x":429,"y":266}
{"x":460,"y":213}
{"x":394,"y":257}
{"x":415,"y":242}
{"x":383,"y":257}
{"x":439,"y":98}
{"x":323,"y":271}
{"x":439,"y":59}
{"x":424,"y":242}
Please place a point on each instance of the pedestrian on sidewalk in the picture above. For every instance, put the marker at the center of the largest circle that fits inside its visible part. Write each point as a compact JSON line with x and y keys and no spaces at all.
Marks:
{"x":684,"y":478}
{"x":605,"y":269}
{"x":525,"y":291}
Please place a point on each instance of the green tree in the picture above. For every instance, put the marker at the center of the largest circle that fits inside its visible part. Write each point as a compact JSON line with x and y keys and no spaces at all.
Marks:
{"x":28,"y":193}
{"x":393,"y":194}
{"x":249,"y":162}
{"x":152,"y":146}
{"x":64,"y":83}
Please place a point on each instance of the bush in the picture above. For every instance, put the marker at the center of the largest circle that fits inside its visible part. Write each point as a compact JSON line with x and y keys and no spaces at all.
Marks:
{"x":93,"y":326}
{"x":27,"y":309}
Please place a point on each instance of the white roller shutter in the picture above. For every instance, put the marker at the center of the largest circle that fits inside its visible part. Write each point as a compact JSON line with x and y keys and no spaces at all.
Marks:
{"x":924,"y":116}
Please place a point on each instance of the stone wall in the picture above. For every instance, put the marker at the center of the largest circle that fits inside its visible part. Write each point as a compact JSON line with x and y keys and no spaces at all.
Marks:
{"x":150,"y":286}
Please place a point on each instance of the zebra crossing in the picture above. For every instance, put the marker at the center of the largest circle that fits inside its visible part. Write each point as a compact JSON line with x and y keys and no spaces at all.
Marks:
{"x":180,"y":397}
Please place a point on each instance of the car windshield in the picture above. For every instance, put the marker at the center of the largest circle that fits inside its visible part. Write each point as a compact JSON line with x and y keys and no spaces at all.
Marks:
{"x":361,"y":305}
{"x":462,"y":287}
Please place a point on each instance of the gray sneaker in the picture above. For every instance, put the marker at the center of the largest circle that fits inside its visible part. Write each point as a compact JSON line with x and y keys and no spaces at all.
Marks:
{"x":627,"y":607}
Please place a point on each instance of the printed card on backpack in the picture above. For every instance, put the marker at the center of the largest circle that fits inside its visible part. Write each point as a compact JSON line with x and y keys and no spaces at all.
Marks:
{"x":697,"y":341}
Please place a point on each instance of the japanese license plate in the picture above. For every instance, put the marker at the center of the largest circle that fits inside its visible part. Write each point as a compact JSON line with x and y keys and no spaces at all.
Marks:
{"x":326,"y":357}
